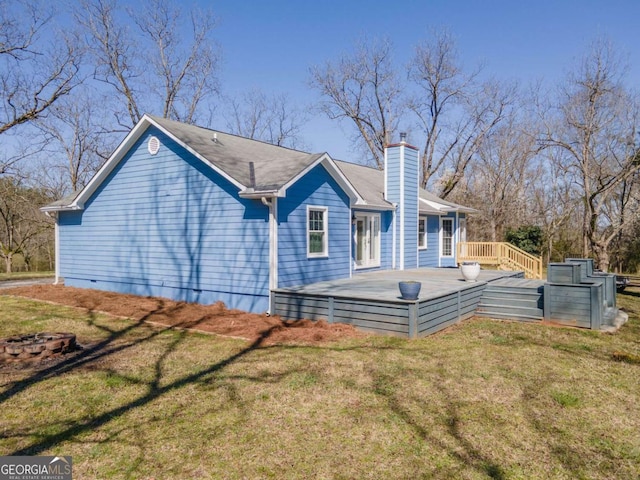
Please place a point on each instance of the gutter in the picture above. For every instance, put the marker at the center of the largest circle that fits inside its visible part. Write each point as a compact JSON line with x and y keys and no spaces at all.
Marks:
{"x":252,"y":194}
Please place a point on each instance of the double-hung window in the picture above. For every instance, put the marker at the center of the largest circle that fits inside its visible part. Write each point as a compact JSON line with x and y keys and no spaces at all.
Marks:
{"x":317,"y":232}
{"x":422,"y":233}
{"x":446,"y":237}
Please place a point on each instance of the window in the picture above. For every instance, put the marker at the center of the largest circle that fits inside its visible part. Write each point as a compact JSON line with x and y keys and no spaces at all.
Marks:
{"x":317,"y":236}
{"x":367,"y":240}
{"x":446,"y":237}
{"x":422,"y":233}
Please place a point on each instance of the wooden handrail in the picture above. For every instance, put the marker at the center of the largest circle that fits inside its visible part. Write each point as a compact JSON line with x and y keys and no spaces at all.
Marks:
{"x":500,"y":253}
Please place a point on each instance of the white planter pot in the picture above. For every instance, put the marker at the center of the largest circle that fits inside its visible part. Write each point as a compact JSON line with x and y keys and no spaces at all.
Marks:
{"x":470,"y":271}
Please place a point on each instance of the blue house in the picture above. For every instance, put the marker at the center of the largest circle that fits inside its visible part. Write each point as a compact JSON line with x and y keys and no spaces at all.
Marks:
{"x":194,"y":214}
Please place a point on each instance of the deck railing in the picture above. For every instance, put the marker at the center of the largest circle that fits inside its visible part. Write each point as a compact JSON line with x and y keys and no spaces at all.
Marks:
{"x":501,"y":254}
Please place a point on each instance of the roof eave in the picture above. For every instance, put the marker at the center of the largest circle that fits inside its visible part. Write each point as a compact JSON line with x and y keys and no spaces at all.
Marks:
{"x":61,"y":208}
{"x":369,"y":207}
{"x":249,"y":193}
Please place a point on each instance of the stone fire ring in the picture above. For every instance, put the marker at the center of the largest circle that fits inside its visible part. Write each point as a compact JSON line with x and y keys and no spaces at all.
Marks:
{"x":36,"y":346}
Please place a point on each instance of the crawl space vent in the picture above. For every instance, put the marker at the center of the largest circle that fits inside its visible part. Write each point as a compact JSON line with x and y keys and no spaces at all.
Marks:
{"x":153,"y":145}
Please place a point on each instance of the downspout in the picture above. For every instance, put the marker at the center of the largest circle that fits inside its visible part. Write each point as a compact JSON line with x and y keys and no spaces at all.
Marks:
{"x":351,"y":242}
{"x":454,"y":250}
{"x":272,"y":204}
{"x":393,"y":236}
{"x":402,"y":206}
{"x":439,"y":240}
{"x":56,"y":246}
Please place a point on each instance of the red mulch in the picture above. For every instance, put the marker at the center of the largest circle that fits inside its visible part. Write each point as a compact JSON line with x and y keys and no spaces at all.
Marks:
{"x":208,"y":318}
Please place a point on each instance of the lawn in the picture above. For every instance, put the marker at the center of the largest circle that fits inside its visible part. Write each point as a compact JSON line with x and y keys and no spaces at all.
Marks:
{"x":484,"y":399}
{"x":24,"y":275}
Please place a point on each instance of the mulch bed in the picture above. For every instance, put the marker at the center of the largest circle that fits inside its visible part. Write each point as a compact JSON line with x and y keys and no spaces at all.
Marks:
{"x":206,"y":318}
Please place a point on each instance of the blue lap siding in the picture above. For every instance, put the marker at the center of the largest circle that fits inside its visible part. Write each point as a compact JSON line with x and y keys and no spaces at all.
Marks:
{"x":428,"y":257}
{"x":168,"y":225}
{"x":317,"y":188}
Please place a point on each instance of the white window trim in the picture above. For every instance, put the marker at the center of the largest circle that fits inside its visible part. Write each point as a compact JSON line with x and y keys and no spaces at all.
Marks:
{"x":377,"y":261}
{"x":426,"y":231}
{"x":453,"y":236}
{"x":325,"y":218}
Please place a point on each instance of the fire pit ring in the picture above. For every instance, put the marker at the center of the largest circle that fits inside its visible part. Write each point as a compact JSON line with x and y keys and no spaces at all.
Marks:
{"x":36,"y":346}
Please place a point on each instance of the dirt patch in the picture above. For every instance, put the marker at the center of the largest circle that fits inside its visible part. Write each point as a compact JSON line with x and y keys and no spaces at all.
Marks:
{"x":207,"y":318}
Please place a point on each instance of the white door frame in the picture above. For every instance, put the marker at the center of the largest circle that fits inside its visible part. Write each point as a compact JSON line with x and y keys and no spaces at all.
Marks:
{"x":372,"y":245}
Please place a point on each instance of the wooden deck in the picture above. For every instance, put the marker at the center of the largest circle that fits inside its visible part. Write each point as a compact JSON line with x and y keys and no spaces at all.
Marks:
{"x":371,"y":301}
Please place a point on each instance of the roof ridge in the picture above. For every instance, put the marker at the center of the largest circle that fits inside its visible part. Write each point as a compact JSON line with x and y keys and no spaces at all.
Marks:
{"x":193,"y":125}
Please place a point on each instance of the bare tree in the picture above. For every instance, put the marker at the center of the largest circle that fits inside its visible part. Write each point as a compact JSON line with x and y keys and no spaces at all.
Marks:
{"x":79,"y":146}
{"x":35,"y":73}
{"x":596,"y":128}
{"x":500,"y":181}
{"x":153,"y":68}
{"x":364,"y":89}
{"x":270,"y":119}
{"x":455,"y":111}
{"x":20,"y":220}
{"x":184,"y":71}
{"x":554,"y":204}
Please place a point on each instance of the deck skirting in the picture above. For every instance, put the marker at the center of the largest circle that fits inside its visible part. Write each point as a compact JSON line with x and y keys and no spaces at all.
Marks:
{"x":404,"y":318}
{"x":573,"y":295}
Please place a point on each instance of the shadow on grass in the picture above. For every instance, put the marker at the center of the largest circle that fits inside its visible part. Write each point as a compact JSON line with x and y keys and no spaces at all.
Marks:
{"x":102,"y":349}
{"x":155,"y":390}
{"x":629,"y":293}
{"x":457,"y":443}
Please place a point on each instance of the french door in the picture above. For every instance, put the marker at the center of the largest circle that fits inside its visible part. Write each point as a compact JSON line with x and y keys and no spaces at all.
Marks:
{"x":367,"y":240}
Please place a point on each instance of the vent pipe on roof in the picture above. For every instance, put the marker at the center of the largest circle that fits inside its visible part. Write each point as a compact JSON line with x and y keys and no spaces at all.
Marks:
{"x":252,"y":175}
{"x":403,"y":137}
{"x":215,"y":137}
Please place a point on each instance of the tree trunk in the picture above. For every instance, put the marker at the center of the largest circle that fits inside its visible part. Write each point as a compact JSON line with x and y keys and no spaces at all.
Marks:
{"x":602,"y":257}
{"x":8,"y":263}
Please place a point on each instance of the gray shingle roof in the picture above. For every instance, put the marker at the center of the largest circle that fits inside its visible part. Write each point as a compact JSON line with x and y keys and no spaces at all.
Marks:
{"x":273,"y":166}
{"x":64,"y":201}
{"x":264,"y":167}
{"x":369,"y":182}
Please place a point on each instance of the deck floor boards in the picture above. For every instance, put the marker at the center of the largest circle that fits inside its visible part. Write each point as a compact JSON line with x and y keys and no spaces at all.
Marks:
{"x":383,"y":285}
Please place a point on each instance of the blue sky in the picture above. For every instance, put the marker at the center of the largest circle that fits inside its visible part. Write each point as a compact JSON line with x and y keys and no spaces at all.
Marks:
{"x":270,"y":44}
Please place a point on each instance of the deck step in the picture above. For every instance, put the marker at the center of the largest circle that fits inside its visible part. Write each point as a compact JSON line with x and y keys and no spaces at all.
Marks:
{"x":520,"y":299}
{"x":529,"y":301}
{"x":506,"y":311}
{"x":504,"y":290}
{"x":510,"y":316}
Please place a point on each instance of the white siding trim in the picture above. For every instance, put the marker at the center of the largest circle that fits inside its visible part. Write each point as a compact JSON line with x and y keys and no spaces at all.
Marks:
{"x":274,"y":242}
{"x":402,"y":207}
{"x":456,"y":236}
{"x":272,"y":204}
{"x":57,"y":251}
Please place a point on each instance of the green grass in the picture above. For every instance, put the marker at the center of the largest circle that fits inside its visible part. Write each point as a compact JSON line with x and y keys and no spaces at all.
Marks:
{"x":24,"y":275}
{"x":485,"y":399}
